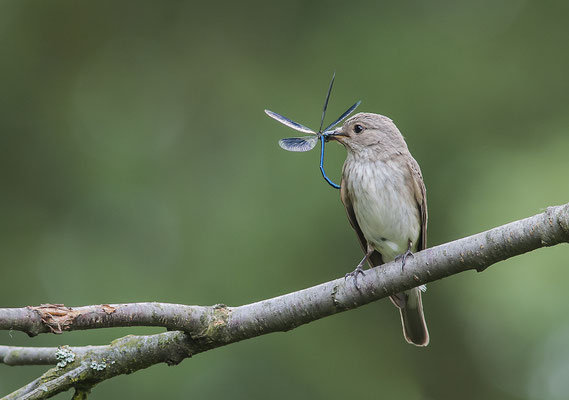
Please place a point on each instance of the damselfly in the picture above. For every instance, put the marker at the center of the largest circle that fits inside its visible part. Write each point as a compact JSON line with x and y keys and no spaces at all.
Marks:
{"x":306,"y":143}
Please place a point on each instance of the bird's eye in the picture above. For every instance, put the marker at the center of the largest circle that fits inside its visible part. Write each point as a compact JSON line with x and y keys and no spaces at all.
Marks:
{"x":358,"y":128}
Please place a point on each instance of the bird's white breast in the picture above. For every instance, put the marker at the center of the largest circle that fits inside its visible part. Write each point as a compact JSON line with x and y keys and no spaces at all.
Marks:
{"x":384,"y":204}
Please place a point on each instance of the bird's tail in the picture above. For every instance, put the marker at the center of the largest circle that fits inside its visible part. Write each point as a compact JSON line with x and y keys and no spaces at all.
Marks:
{"x":412,"y":317}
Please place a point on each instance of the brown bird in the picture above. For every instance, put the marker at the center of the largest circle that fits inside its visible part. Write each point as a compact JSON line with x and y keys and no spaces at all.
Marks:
{"x":385,"y":198}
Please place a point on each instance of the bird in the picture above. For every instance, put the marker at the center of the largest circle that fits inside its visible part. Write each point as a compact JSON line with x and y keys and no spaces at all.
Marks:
{"x":385,"y":199}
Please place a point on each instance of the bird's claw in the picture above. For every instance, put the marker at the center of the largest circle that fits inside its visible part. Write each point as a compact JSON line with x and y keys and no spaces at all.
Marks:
{"x":403,"y":257}
{"x":354,"y":274}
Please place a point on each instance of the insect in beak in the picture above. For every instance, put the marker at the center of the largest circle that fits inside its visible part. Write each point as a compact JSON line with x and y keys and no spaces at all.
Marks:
{"x":334,"y":135}
{"x":307,"y":143}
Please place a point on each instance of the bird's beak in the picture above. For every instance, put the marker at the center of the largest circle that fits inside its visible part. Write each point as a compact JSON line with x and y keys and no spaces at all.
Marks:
{"x":336,"y":134}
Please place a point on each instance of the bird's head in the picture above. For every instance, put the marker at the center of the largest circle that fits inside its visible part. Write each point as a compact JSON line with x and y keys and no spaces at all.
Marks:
{"x":368,"y":133}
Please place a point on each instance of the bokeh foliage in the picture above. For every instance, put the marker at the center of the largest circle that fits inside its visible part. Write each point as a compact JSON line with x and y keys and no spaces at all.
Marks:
{"x":136,"y":164}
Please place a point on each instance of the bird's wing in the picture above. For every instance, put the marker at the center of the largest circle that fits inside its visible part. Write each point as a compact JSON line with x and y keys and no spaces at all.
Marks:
{"x":421,"y":198}
{"x":375,"y":259}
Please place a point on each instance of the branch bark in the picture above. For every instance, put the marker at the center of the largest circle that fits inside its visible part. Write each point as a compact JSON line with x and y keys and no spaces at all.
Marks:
{"x":200,"y":328}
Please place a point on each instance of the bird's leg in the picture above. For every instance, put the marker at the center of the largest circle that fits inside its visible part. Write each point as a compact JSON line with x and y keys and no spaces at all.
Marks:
{"x":403,"y":257}
{"x":359,"y":268}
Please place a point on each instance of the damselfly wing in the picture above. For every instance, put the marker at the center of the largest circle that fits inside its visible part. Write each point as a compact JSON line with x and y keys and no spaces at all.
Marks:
{"x":341,"y":117}
{"x":300,"y":144}
{"x":288,"y":122}
{"x":326,"y":102}
{"x":304,"y":143}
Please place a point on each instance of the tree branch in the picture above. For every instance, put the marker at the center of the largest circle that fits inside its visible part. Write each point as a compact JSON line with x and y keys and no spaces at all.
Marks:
{"x":209,"y":327}
{"x":99,"y":363}
{"x":15,"y":355}
{"x":56,"y":318}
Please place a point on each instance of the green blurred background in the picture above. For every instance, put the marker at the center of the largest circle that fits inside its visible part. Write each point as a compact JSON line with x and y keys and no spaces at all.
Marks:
{"x":137,"y":165}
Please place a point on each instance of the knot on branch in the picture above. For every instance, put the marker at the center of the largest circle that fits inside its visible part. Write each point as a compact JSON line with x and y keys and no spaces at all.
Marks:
{"x":562,"y":218}
{"x":59,"y":318}
{"x":215,"y":326}
{"x":56,"y":317}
